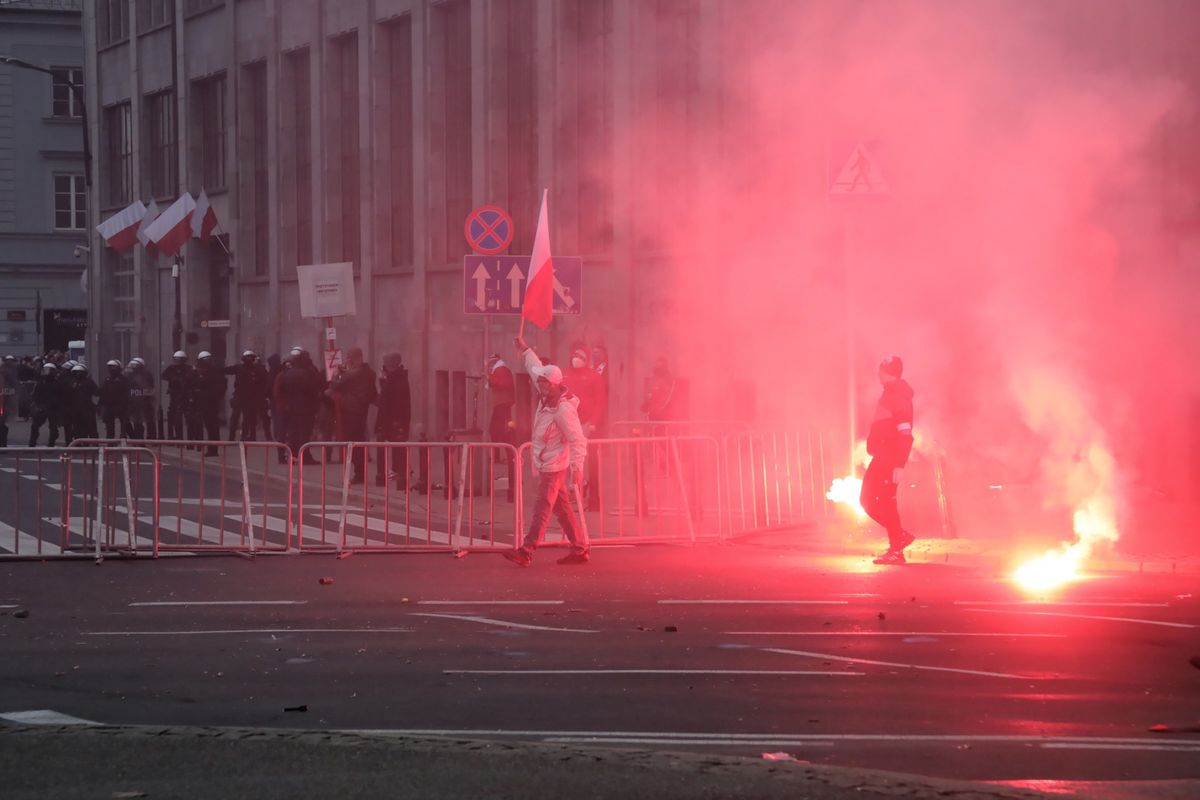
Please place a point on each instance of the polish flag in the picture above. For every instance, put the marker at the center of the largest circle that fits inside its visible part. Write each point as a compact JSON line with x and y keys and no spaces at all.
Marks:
{"x":120,"y":230}
{"x":539,"y":286}
{"x":150,"y":215}
{"x":173,"y":227}
{"x":204,"y":219}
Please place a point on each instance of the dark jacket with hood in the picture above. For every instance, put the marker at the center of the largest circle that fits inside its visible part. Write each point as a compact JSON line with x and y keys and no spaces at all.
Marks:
{"x":891,"y":437}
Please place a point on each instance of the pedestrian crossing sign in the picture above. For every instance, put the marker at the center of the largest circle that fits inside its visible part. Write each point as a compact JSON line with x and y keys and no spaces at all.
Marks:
{"x":860,"y":175}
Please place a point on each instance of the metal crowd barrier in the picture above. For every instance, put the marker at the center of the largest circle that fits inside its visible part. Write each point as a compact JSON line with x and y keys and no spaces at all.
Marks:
{"x":76,"y":509}
{"x":773,"y":480}
{"x":643,"y":490}
{"x":212,"y":498}
{"x":437,"y":496}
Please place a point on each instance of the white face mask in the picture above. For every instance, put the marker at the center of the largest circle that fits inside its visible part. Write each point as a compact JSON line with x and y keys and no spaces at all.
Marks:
{"x":577,"y":363}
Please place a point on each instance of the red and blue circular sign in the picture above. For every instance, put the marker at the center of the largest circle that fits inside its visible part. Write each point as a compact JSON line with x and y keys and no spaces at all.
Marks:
{"x":489,"y":230}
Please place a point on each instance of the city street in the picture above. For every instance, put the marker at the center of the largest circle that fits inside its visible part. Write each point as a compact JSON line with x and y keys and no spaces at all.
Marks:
{"x":737,"y":649}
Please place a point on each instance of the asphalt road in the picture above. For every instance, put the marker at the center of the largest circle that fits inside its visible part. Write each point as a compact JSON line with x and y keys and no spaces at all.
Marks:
{"x":734,"y":649}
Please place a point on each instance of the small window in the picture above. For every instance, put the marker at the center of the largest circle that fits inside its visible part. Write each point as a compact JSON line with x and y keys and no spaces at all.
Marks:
{"x":65,"y":100}
{"x":70,"y":203}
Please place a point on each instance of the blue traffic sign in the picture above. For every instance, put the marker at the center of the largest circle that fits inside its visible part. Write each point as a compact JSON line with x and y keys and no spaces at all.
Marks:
{"x":496,"y":284}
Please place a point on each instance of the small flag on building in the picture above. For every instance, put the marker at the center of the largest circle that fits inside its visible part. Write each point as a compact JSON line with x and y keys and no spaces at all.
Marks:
{"x":150,"y":215}
{"x":120,"y":230}
{"x":173,"y":227}
{"x":538,"y":307}
{"x":204,"y":219}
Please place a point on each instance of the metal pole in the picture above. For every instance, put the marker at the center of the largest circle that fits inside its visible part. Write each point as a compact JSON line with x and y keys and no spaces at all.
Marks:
{"x":851,"y":384}
{"x":177,"y":327}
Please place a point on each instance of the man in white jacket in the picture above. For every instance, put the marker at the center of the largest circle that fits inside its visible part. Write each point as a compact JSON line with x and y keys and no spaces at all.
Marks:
{"x":559,"y":455}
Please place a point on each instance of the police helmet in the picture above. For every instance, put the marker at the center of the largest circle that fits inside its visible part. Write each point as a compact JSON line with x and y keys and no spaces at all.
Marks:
{"x":203,"y":354}
{"x":79,"y":369}
{"x":138,"y":361}
{"x":180,"y":354}
{"x":112,"y":362}
{"x":48,"y":368}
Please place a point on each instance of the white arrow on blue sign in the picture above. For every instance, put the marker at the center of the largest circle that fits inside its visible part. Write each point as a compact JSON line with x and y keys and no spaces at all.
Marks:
{"x":496,"y":284}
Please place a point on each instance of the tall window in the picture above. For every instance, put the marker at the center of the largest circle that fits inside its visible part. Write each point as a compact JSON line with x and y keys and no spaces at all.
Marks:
{"x":162,"y":161}
{"x":118,"y":149}
{"x":295,"y":160}
{"x":65,"y":103}
{"x":398,"y":38}
{"x":452,"y":122}
{"x":256,"y":189}
{"x":121,"y":279}
{"x":153,"y":13}
{"x":70,"y":203}
{"x":521,"y":139}
{"x":112,"y":22}
{"x":675,"y":87}
{"x":341,"y":131}
{"x":196,"y":6}
{"x":208,"y":119}
{"x":593,"y":34}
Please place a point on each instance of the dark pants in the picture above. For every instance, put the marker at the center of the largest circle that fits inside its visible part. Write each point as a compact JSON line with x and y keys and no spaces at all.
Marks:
{"x":299,"y":429}
{"x":3,"y":430}
{"x":553,"y":494}
{"x":175,"y":418}
{"x":878,"y":499}
{"x":248,"y":415}
{"x":393,"y":458}
{"x":110,"y":424}
{"x":41,"y":418}
{"x":142,"y":424}
{"x":211,"y":419}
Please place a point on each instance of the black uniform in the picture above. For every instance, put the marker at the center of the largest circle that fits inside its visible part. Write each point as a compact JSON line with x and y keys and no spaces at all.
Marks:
{"x":143,"y":423}
{"x":393,"y":422}
{"x":114,"y":404}
{"x":178,"y":378}
{"x":49,"y":396}
{"x":249,"y":404}
{"x":300,"y":389}
{"x":209,"y":400}
{"x":354,"y":388}
{"x":81,"y":407}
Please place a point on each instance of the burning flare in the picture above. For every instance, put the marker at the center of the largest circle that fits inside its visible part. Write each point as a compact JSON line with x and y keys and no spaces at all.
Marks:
{"x":846,"y":491}
{"x":1095,"y":522}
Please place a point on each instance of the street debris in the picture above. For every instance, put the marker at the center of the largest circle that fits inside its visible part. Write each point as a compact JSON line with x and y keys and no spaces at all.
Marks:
{"x":778,"y":757}
{"x":326,"y":581}
{"x":21,"y":613}
{"x":671,"y":629}
{"x":300,"y":708}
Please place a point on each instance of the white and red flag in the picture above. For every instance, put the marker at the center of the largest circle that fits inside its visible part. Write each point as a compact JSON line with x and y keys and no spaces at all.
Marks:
{"x":150,"y":215}
{"x":538,"y":307}
{"x":204,"y":219}
{"x":173,"y":227}
{"x":120,"y":230}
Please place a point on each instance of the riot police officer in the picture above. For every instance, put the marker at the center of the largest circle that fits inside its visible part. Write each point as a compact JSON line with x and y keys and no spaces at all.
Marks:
{"x":48,"y":404}
{"x":209,"y":398}
{"x":142,"y":422}
{"x":249,"y":403}
{"x":114,"y":400}
{"x":81,"y":409}
{"x":178,"y":376}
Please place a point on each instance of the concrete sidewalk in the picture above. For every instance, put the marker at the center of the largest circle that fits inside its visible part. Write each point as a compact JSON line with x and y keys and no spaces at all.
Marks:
{"x":203,"y":763}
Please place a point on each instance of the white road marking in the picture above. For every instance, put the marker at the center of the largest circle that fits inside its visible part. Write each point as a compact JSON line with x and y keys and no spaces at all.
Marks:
{"x":750,"y":738}
{"x":15,"y":542}
{"x":754,"y":602}
{"x":55,"y":487}
{"x":1181,"y":747}
{"x":490,"y":602}
{"x":9,"y":606}
{"x":755,"y":743}
{"x":1049,"y":603}
{"x":280,"y":525}
{"x":79,"y":526}
{"x":897,"y":633}
{"x":247,"y":630}
{"x":219,"y":603}
{"x":849,"y":660}
{"x":43,"y":716}
{"x":1086,"y":616}
{"x":775,"y":672}
{"x":504,"y":624}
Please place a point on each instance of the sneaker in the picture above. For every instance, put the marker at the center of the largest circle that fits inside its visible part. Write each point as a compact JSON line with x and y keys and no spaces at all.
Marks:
{"x":520,"y":557}
{"x":892,"y":557}
{"x":574,"y":558}
{"x":906,"y":539}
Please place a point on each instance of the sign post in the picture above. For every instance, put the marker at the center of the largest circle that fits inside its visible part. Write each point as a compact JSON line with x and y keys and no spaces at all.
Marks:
{"x":327,"y":291}
{"x":496,"y":284}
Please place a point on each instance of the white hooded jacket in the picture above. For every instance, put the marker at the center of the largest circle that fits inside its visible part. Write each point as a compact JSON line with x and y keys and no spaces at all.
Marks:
{"x":558,"y":440}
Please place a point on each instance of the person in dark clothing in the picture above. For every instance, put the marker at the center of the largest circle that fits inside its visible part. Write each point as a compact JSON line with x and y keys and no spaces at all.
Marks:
{"x":889,"y":444}
{"x":48,"y":402}
{"x":298,"y":393}
{"x":353,"y":388}
{"x":502,"y":395}
{"x":209,"y":398}
{"x":178,"y":377}
{"x":393,"y":422}
{"x":81,"y":408}
{"x":250,"y":389}
{"x":114,"y":401}
{"x":276,"y":425}
{"x":599,"y":424}
{"x":143,"y":423}
{"x":9,"y":382}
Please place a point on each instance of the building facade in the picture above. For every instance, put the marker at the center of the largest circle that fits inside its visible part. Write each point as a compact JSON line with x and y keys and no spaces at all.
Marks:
{"x":43,"y":196}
